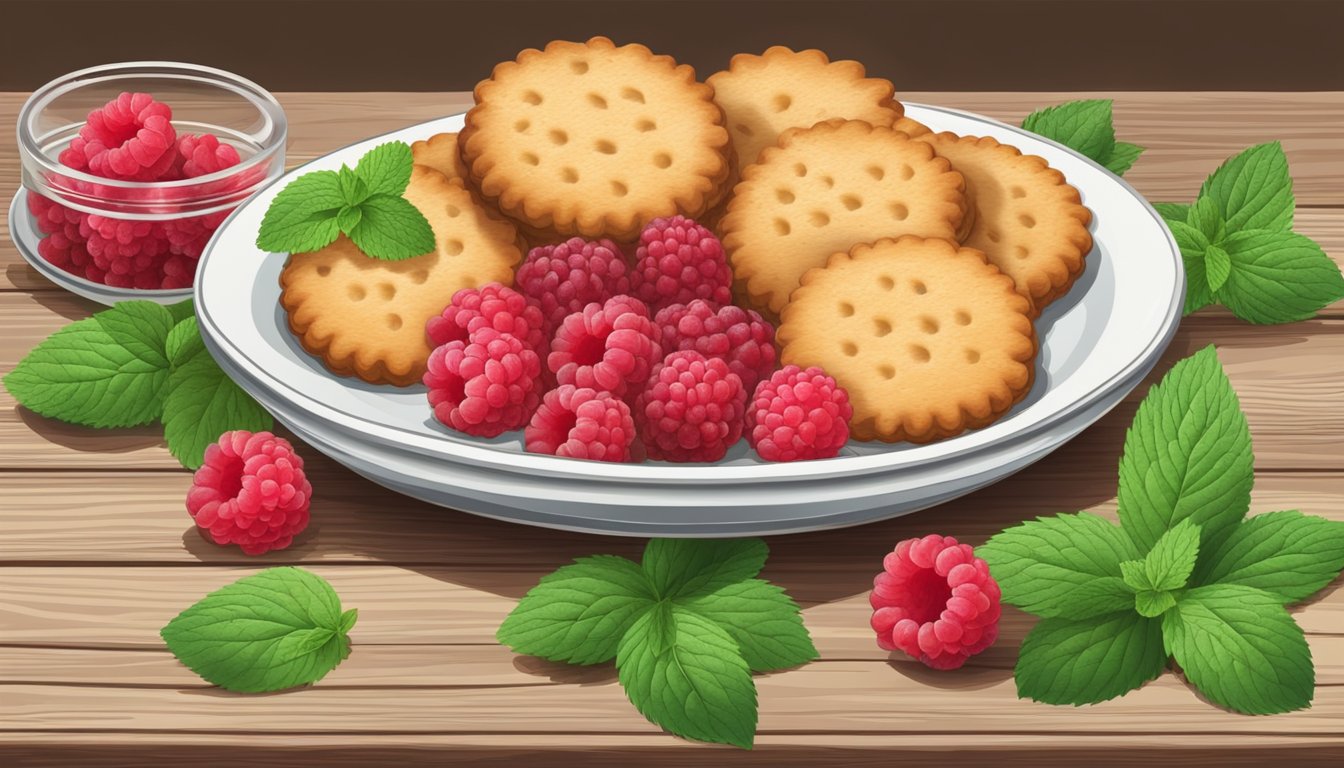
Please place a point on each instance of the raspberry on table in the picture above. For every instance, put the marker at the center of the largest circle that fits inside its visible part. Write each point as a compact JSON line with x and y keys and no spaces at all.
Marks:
{"x":251,"y":491}
{"x":486,"y":386}
{"x":798,"y":414}
{"x":130,"y":138}
{"x":611,"y":347}
{"x":740,"y":336}
{"x":678,"y":261}
{"x":566,"y":277}
{"x":581,"y":423}
{"x":936,"y":601}
{"x":494,"y":306}
{"x":691,"y":410}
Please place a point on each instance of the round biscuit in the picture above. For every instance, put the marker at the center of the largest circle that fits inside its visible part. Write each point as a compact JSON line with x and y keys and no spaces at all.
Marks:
{"x":440,"y":152}
{"x":910,"y":127}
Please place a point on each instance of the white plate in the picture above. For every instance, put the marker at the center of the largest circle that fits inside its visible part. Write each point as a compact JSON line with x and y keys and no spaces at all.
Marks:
{"x":1097,"y":343}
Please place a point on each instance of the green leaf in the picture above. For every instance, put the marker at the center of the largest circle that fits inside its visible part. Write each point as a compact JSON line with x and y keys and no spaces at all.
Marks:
{"x":1173,"y":211}
{"x":276,"y":629}
{"x":1064,"y":661}
{"x":109,"y":370}
{"x":1241,"y":649}
{"x":762,"y":619}
{"x":1253,"y":189}
{"x":1084,"y":126}
{"x":302,"y":217}
{"x":1187,"y":455}
{"x":386,"y":169}
{"x":688,"y":567}
{"x":1205,"y":216}
{"x":349,"y":218}
{"x":1123,"y":157}
{"x":1066,"y":565}
{"x":1287,"y":554}
{"x":1278,"y":277}
{"x":1192,"y":244}
{"x":184,"y":342}
{"x":1172,"y":558}
{"x":202,"y":404}
{"x":182,"y":310}
{"x":685,"y":674}
{"x":1217,"y":267}
{"x":348,"y":620}
{"x":579,"y":612}
{"x":353,"y":189}
{"x":1151,"y":604}
{"x":390,"y":228}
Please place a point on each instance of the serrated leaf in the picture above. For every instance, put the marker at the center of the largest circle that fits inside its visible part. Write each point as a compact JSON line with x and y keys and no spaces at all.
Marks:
{"x":184,"y":342}
{"x":1253,"y":189}
{"x":1169,"y":563}
{"x":1065,"y":661}
{"x":1278,"y":277}
{"x":1205,"y":216}
{"x":1241,"y":649}
{"x":182,"y":310}
{"x":204,"y":403}
{"x":1151,"y":604}
{"x":1286,"y":554}
{"x":1123,"y":157}
{"x":386,"y":169}
{"x":1187,"y":455}
{"x":762,"y":619}
{"x":1084,"y":126}
{"x":579,"y":612}
{"x":1066,"y":565}
{"x":353,"y":189}
{"x":302,"y":217}
{"x":1173,"y":211}
{"x":349,"y":218}
{"x":692,"y":681}
{"x":1217,"y":267}
{"x":391,"y":229}
{"x":687,"y":567}
{"x":276,"y":629}
{"x":1192,"y":244}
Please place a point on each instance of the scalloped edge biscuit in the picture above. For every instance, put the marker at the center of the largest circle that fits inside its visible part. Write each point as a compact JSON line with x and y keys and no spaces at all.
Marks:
{"x":440,"y":152}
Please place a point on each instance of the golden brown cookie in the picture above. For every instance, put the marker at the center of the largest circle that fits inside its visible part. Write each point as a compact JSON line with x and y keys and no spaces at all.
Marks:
{"x":595,"y":140}
{"x":440,"y":153}
{"x":928,"y":338}
{"x":1029,"y":221}
{"x":366,"y":317}
{"x":910,"y":127}
{"x":824,"y":189}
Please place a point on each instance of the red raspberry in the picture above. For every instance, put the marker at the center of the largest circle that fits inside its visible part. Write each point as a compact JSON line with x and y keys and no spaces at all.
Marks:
{"x":610,"y":347}
{"x":936,"y":601}
{"x":130,"y":138}
{"x":678,"y":261}
{"x":691,"y":409}
{"x":581,"y":424}
{"x":798,"y":414}
{"x":203,"y":155}
{"x":491,"y":306}
{"x":739,"y":336}
{"x":486,"y":386}
{"x":566,"y":277}
{"x":251,"y":491}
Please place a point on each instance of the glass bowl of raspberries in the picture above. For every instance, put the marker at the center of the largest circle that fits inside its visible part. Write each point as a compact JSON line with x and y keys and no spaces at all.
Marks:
{"x":128,"y":169}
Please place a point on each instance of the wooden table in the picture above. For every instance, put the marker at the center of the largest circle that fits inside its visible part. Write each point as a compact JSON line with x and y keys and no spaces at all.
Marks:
{"x":97,"y":552}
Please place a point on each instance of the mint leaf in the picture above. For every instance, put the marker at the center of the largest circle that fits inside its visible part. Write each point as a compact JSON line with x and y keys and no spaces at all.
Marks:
{"x":302,"y":217}
{"x":182,"y":310}
{"x":1287,"y":554}
{"x":685,"y":674}
{"x":109,"y":370}
{"x":1172,"y":558}
{"x":1066,"y":565}
{"x":1064,"y":661}
{"x":349,"y":218}
{"x":1151,"y":604}
{"x":184,"y":342}
{"x":1217,"y":267}
{"x":276,"y":629}
{"x":353,"y":189}
{"x":1278,"y":277}
{"x":1241,"y":649}
{"x":1192,"y":243}
{"x":579,"y":613}
{"x":391,"y":229}
{"x":202,"y":404}
{"x":688,"y":567}
{"x":386,"y":169}
{"x":762,"y":619}
{"x":1253,"y":189}
{"x":1205,"y":216}
{"x":1123,"y":157}
{"x":1084,"y":126}
{"x":1187,"y":455}
{"x":1172,"y":211}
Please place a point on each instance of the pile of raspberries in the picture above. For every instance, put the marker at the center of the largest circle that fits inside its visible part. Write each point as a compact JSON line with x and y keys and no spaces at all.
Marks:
{"x":598,"y":357}
{"x":131,"y":138}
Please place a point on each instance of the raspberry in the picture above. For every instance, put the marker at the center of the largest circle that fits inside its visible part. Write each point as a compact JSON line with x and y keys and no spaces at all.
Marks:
{"x":130,"y":138}
{"x":798,"y":414}
{"x":581,"y":423}
{"x":486,"y":386}
{"x":251,"y":491}
{"x":608,"y":347}
{"x":739,"y":336}
{"x":203,"y":155}
{"x":491,"y":306}
{"x":691,"y":409}
{"x":936,"y":601}
{"x":678,"y":261}
{"x":565,"y":278}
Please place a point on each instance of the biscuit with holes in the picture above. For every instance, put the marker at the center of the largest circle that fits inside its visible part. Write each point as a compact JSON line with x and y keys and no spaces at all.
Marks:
{"x":910,"y":127}
{"x":440,"y":152}
{"x":595,"y":140}
{"x":928,"y":338}
{"x":366,"y":317}
{"x":824,"y":189}
{"x":1028,"y":220}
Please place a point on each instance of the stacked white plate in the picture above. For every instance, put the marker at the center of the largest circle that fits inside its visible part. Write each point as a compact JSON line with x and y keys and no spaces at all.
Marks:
{"x":1097,"y":344}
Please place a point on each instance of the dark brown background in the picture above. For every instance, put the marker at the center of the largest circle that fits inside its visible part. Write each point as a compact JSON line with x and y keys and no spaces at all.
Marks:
{"x":948,"y":45}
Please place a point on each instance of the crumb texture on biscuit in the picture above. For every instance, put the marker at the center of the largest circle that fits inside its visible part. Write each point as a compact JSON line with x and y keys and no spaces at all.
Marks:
{"x":928,"y":338}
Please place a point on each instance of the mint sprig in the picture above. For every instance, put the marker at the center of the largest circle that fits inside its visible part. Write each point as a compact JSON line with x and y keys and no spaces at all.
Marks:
{"x":1087,"y":127}
{"x":365,"y":203}
{"x":1186,"y":574}
{"x":687,"y":626}
{"x":277,"y":629}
